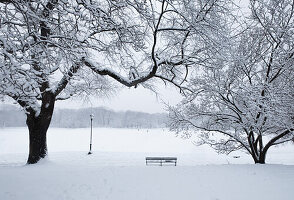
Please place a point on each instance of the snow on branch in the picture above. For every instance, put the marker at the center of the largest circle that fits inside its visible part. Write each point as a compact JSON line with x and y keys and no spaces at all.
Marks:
{"x":132,"y":81}
{"x":66,"y":78}
{"x":125,"y":81}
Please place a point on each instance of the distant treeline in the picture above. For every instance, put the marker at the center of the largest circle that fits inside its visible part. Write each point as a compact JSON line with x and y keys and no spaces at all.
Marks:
{"x":12,"y":116}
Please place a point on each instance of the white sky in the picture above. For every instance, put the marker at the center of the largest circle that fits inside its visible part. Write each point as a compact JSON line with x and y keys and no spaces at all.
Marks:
{"x":136,"y":99}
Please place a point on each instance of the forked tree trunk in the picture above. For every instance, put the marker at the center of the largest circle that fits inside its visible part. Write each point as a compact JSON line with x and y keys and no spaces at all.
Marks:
{"x":258,"y":153}
{"x":38,"y":126}
{"x":261,"y":158}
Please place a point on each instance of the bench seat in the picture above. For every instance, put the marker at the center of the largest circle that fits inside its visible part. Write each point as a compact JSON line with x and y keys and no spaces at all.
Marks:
{"x":161,"y":160}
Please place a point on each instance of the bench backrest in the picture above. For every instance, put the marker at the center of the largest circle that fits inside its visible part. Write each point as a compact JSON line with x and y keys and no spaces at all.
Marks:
{"x":161,"y":158}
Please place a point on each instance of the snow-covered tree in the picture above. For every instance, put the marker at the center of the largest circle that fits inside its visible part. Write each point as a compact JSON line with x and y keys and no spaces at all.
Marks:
{"x":54,"y":49}
{"x":246,"y":100}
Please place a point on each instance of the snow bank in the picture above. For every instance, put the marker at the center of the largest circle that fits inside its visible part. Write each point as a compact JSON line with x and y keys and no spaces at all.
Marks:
{"x":116,"y":169}
{"x":63,"y":180}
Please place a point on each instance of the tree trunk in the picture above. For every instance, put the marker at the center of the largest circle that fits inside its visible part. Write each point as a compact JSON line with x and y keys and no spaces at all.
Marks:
{"x":258,"y":154}
{"x":38,"y":126}
{"x":37,"y":138}
{"x":260,"y":161}
{"x":261,"y":158}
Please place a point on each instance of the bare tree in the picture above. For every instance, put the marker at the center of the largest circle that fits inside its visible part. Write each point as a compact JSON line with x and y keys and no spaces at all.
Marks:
{"x":248,"y":97}
{"x":52,"y":50}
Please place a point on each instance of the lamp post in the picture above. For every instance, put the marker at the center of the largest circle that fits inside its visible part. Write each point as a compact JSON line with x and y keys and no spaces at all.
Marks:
{"x":91,"y":117}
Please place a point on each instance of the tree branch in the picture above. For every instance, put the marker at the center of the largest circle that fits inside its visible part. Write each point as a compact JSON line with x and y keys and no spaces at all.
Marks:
{"x":216,"y":130}
{"x":275,"y":139}
{"x":66,"y":78}
{"x":5,"y":1}
{"x":125,"y":81}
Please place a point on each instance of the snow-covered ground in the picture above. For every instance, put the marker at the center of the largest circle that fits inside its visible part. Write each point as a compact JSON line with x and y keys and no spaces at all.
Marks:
{"x":116,"y":169}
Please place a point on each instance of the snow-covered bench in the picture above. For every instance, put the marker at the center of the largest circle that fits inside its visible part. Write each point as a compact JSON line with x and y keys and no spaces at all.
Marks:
{"x":161,"y":160}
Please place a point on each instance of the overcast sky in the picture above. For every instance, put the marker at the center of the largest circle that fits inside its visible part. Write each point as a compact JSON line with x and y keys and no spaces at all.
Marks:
{"x":136,"y":99}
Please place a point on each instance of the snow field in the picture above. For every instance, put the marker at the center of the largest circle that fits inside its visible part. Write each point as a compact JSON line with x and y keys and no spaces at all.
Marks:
{"x":51,"y":181}
{"x":116,"y":169}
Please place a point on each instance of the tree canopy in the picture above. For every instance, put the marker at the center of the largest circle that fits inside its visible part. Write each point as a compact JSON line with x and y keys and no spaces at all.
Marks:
{"x":248,"y":96}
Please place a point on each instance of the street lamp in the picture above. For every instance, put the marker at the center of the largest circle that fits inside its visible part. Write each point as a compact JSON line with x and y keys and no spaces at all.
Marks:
{"x":91,"y":117}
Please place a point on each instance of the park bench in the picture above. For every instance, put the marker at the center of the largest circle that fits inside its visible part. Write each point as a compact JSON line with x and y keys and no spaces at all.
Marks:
{"x":161,"y":160}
